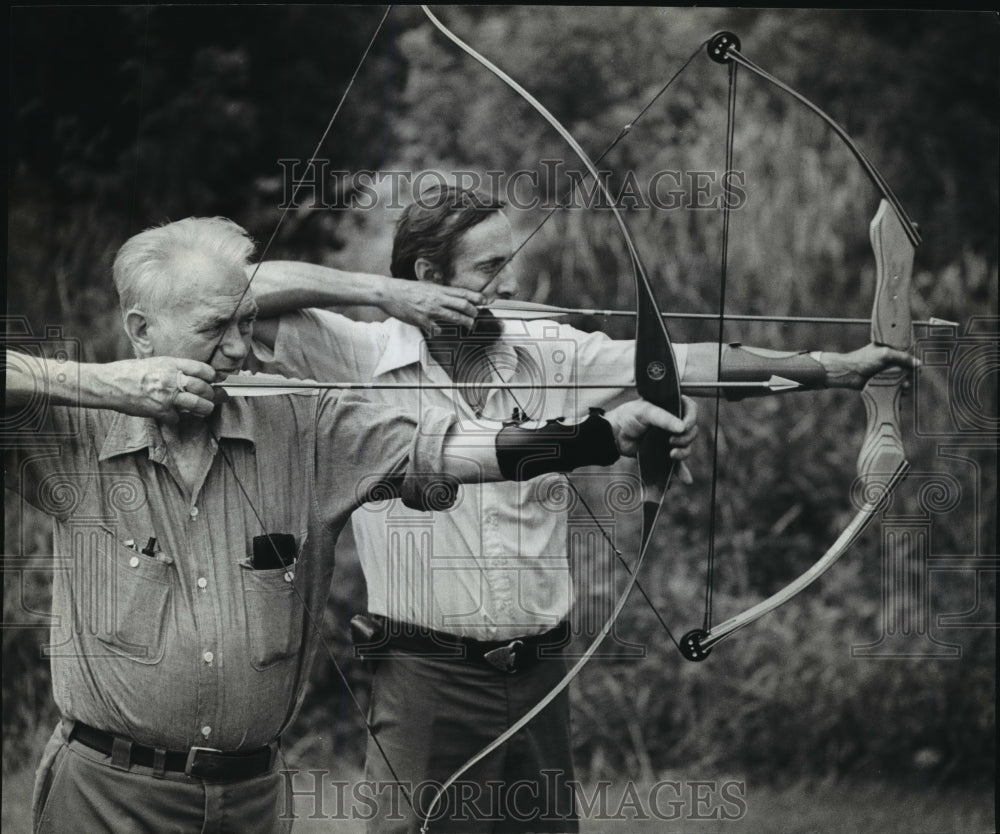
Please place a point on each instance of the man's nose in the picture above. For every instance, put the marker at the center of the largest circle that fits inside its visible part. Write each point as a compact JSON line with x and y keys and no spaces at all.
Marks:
{"x":507,"y":286}
{"x":235,"y":345}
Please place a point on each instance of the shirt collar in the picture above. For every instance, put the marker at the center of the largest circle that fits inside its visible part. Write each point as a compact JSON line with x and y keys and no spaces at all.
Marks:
{"x":405,"y":346}
{"x":232,"y":420}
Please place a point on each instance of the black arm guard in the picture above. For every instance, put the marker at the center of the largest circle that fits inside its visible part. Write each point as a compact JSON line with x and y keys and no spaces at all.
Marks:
{"x":740,"y":364}
{"x":555,"y":447}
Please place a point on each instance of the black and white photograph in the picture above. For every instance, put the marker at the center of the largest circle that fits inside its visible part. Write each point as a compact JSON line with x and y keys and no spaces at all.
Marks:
{"x":477,"y":419}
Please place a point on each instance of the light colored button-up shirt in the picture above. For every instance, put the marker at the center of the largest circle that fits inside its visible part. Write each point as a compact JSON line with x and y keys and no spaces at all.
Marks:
{"x":495,"y":565}
{"x":188,"y":644}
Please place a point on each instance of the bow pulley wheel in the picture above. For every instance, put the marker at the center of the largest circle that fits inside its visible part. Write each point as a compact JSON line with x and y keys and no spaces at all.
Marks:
{"x":691,"y":645}
{"x":719,"y":45}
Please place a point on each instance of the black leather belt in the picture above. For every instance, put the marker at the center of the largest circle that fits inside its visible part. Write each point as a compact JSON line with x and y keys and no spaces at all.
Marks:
{"x":510,"y":656}
{"x":202,"y":762}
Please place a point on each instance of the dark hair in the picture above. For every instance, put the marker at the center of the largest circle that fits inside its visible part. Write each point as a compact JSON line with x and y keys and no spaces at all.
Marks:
{"x":432,"y":224}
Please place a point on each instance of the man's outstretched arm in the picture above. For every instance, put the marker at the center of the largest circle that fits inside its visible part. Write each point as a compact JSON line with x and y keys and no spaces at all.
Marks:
{"x":284,"y":286}
{"x":812,"y":370}
{"x":519,"y":452}
{"x":168,"y":389}
{"x":161,"y":387}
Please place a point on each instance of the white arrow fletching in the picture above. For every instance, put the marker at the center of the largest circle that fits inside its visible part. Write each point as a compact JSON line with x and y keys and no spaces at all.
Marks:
{"x":779,"y":383}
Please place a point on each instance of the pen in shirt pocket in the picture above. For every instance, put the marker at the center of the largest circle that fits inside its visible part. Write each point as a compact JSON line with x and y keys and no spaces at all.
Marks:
{"x":150,"y":550}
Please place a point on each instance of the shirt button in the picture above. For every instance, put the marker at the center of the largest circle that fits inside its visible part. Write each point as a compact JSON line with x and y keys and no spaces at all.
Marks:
{"x":194,"y":512}
{"x":289,"y":576}
{"x":209,"y":657}
{"x":202,"y":582}
{"x":134,"y":562}
{"x":206,"y":731}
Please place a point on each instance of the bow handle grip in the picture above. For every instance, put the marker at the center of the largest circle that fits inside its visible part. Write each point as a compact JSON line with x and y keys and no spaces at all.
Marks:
{"x":882,"y":459}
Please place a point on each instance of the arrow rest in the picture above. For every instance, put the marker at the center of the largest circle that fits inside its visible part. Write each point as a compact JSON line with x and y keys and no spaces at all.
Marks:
{"x":691,"y":645}
{"x":719,"y":45}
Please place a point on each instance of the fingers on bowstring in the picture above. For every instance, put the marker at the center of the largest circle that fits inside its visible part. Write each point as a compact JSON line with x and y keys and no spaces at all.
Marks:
{"x":190,"y":403}
{"x":462,"y":301}
{"x":199,"y":370}
{"x":196,"y":387}
{"x":461,"y":317}
{"x":471,"y":296}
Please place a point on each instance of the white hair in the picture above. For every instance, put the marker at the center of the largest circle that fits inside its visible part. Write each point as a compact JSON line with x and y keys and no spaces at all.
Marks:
{"x":141,"y":271}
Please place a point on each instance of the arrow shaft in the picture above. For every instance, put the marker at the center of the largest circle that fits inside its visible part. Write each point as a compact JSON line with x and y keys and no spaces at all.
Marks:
{"x":303,"y":385}
{"x":540,"y":311}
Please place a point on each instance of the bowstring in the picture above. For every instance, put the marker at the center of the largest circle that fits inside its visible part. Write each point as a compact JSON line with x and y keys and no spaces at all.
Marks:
{"x":723,"y":274}
{"x":562,"y":204}
{"x":317,"y":628}
{"x":593,"y":517}
{"x":310,"y":614}
{"x":625,"y":130}
{"x":565,"y":203}
{"x":290,"y":203}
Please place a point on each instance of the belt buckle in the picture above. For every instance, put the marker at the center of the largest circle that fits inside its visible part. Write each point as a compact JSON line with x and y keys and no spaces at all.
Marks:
{"x":505,"y":657}
{"x":193,"y":754}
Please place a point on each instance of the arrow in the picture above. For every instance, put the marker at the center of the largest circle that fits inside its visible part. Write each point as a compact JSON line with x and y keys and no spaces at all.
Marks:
{"x":252,"y":386}
{"x":531,"y":310}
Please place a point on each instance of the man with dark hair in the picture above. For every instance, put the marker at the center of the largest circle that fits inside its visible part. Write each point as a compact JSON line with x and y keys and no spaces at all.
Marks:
{"x":469,"y":607}
{"x":432,"y":225}
{"x":195,"y":537}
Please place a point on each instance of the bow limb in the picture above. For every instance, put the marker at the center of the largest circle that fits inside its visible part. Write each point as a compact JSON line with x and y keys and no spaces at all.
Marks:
{"x":724,"y":47}
{"x":655,"y":369}
{"x":656,"y":380}
{"x":882,"y":462}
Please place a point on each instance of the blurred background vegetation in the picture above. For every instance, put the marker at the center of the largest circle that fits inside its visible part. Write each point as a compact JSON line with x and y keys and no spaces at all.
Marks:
{"x":124,"y":117}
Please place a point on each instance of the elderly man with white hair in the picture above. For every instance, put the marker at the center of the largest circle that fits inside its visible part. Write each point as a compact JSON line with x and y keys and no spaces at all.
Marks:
{"x":194,"y":537}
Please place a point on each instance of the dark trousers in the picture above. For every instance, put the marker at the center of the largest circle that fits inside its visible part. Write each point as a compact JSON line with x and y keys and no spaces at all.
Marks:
{"x":431,"y":715}
{"x":77,"y":789}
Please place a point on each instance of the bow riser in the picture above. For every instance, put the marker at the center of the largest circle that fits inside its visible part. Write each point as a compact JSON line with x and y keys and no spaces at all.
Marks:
{"x":882,"y":451}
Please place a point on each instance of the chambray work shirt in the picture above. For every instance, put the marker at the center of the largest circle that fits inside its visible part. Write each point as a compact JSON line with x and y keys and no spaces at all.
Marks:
{"x":494,"y":565}
{"x":191,"y":646}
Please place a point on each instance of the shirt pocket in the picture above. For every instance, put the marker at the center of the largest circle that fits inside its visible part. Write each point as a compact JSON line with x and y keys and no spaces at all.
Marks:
{"x":274,"y":613}
{"x":139,"y":601}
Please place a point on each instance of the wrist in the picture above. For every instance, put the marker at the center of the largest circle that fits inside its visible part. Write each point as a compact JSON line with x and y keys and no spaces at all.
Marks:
{"x":100,"y":385}
{"x":380,"y":289}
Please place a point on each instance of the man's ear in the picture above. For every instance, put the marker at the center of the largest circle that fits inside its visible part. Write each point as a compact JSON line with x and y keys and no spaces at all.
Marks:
{"x":137,"y":330}
{"x":426,"y":271}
